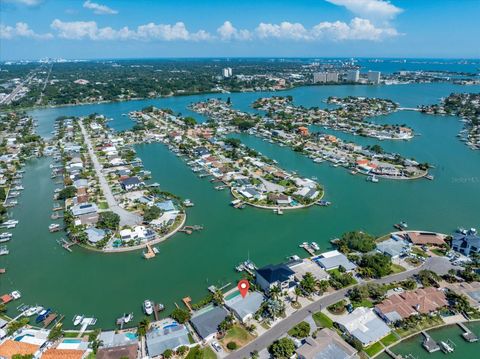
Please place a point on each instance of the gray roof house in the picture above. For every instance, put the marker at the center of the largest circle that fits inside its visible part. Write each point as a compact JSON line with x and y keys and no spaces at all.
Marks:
{"x":393,"y":247}
{"x":95,"y":235}
{"x":327,"y":345}
{"x":278,"y":275}
{"x":111,"y":339}
{"x":169,"y":335}
{"x":244,"y":308}
{"x":84,"y":208}
{"x":466,"y":243}
{"x":206,"y":321}
{"x":364,"y":325}
{"x":131,"y":183}
{"x":333,"y":260}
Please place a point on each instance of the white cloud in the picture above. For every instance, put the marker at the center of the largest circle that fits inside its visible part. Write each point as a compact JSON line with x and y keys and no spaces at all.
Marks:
{"x":21,"y":29}
{"x":228,"y":32}
{"x":76,"y":30}
{"x":370,"y":9}
{"x":99,"y":9}
{"x":357,"y":29}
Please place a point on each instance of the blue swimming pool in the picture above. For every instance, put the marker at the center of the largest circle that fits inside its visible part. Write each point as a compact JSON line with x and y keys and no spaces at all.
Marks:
{"x":131,"y":336}
{"x":19,"y":338}
{"x":72,"y":341}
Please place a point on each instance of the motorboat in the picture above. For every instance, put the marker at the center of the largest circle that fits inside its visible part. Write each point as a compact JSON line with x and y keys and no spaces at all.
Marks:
{"x":4,"y":250}
{"x":5,"y":235}
{"x":42,"y":315}
{"x":315,"y":246}
{"x":372,"y":179}
{"x":148,"y":307}
{"x":78,"y":319}
{"x":127,"y":318}
{"x":32,"y":310}
{"x":446,"y":348}
{"x":16,"y":294}
{"x":54,"y":227}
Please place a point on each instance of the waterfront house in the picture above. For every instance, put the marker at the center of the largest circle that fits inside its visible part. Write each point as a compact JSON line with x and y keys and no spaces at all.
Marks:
{"x":333,"y":260}
{"x":9,"y":348}
{"x":95,"y":235}
{"x":364,"y":325}
{"x":326,"y":345}
{"x":426,"y":238}
{"x":88,"y":219}
{"x":138,"y":233}
{"x":117,"y":345}
{"x":304,"y":266}
{"x":466,"y":242}
{"x":167,"y":206}
{"x":244,"y":308}
{"x":131,"y":183}
{"x":84,"y":208}
{"x":168,"y":334}
{"x":206,"y":321}
{"x":394,"y":247}
{"x":277,"y":275}
{"x":403,"y":305}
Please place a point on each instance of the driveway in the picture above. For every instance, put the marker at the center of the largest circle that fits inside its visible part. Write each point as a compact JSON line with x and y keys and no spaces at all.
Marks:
{"x":126,"y":218}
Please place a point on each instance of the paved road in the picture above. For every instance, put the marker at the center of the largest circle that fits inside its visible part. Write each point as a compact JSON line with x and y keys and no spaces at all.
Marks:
{"x":437,"y":264}
{"x":126,"y":218}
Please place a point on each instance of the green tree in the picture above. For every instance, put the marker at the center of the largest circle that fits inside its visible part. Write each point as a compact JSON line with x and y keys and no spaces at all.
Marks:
{"x":357,"y":241}
{"x":67,"y":192}
{"x":379,"y":264}
{"x":282,"y":348}
{"x":308,"y":283}
{"x":143,"y":327}
{"x":181,"y":315}
{"x":301,"y":330}
{"x":151,"y":213}
{"x":108,"y":220}
{"x":167,"y":354}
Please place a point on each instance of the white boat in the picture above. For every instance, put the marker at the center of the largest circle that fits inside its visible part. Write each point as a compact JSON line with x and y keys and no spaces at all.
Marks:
{"x":4,"y":250}
{"x":148,"y":307}
{"x":5,"y":235}
{"x":78,"y":319}
{"x":372,"y":179}
{"x":16,"y":294}
{"x":32,"y":311}
{"x":315,"y":246}
{"x":54,"y":227}
{"x":446,"y":347}
{"x":127,"y":318}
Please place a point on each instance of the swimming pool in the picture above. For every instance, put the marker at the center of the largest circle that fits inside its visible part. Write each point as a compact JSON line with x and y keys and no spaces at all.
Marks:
{"x":72,"y":341}
{"x":131,"y":336}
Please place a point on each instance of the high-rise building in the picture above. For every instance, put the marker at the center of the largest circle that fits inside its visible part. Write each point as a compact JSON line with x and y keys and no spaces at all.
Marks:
{"x":323,"y":77}
{"x":227,"y":72}
{"x":353,"y":76}
{"x":374,"y":77}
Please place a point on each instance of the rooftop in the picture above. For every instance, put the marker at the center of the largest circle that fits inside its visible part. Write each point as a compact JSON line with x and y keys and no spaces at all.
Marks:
{"x":327,"y":345}
{"x":206,"y":320}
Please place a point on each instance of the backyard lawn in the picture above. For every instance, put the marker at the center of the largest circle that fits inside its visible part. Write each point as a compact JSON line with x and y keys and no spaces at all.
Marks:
{"x":389,"y":339}
{"x":373,"y":349}
{"x":237,"y":334}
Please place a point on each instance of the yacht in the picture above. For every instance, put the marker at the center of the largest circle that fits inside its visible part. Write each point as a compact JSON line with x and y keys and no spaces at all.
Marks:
{"x":127,"y":318}
{"x":372,"y":179}
{"x":78,"y":319}
{"x":3,"y":250}
{"x":16,"y":294}
{"x":315,"y":246}
{"x":148,"y":307}
{"x":188,"y":203}
{"x":32,"y":310}
{"x":42,"y":315}
{"x":5,"y":236}
{"x":446,"y":348}
{"x":54,"y":227}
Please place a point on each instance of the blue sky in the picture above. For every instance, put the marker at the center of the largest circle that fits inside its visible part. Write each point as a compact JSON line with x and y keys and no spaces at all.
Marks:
{"x":82,"y":29}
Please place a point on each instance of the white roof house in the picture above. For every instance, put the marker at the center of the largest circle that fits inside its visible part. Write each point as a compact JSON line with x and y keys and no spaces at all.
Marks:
{"x":244,"y":308}
{"x":364,"y":325}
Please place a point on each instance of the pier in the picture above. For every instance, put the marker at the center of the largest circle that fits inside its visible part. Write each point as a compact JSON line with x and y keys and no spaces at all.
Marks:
{"x":308,"y":249}
{"x":190,"y":229}
{"x":187,"y":301}
{"x":392,"y":354}
{"x":429,"y":344}
{"x":150,"y":253}
{"x":66,"y":244}
{"x":467,"y":334}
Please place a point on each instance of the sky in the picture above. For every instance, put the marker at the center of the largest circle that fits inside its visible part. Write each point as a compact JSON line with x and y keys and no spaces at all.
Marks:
{"x":92,"y":29}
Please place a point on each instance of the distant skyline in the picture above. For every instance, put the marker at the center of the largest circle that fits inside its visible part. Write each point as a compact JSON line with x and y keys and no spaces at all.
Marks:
{"x":89,"y":29}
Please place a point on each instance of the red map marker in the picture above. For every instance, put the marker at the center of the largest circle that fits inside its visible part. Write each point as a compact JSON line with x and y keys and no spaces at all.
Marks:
{"x":243,"y":286}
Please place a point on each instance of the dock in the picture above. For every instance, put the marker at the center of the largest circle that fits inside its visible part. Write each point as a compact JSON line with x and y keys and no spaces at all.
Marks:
{"x":49,"y":319}
{"x":392,"y":354}
{"x":187,"y":301}
{"x":66,"y":244}
{"x":150,"y":253}
{"x":429,"y":344}
{"x":308,"y":249}
{"x":157,"y":307}
{"x":190,"y":229}
{"x":467,"y":334}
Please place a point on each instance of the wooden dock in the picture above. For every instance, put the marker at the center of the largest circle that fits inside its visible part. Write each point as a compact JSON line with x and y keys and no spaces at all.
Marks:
{"x":392,"y":354}
{"x":187,"y":301}
{"x":429,"y":344}
{"x":308,"y":249}
{"x":467,"y":334}
{"x":66,"y":244}
{"x":149,"y":253}
{"x":49,"y":319}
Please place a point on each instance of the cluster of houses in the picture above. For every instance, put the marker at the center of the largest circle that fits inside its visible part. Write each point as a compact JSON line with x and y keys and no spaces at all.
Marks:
{"x":285,"y":126}
{"x":252,"y":178}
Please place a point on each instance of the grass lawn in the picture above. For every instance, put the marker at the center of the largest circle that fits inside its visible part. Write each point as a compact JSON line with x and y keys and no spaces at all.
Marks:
{"x":419,"y":252}
{"x":337,"y":308}
{"x":424,"y":324}
{"x":373,"y":349}
{"x":438,"y":251}
{"x":389,"y":339}
{"x":237,"y":334}
{"x":396,"y":268}
{"x":364,"y":303}
{"x":198,"y":352}
{"x":321,"y":320}
{"x":103,"y":205}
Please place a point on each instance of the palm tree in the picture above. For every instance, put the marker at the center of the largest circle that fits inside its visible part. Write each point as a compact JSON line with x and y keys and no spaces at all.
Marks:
{"x":275,"y":291}
{"x":218,"y":298}
{"x":298,"y":292}
{"x":143,"y":327}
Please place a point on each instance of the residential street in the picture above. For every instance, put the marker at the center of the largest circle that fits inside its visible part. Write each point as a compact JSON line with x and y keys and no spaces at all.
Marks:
{"x":126,"y":218}
{"x":439,"y":265}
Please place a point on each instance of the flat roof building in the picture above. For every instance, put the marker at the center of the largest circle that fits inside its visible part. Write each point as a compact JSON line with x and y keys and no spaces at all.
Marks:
{"x":327,"y":345}
{"x":333,"y":260}
{"x":169,"y":335}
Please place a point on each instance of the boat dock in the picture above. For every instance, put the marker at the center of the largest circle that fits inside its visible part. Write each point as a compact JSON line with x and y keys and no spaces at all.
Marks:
{"x":85,"y":323}
{"x":190,"y":229}
{"x":392,"y":354}
{"x":157,"y":307}
{"x":187,"y":301}
{"x":150,"y":253}
{"x":308,"y":249}
{"x":467,"y":334}
{"x":49,"y":319}
{"x":66,"y":244}
{"x":429,"y":344}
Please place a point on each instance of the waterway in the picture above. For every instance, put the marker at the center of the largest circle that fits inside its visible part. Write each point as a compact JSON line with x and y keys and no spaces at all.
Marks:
{"x":107,"y":285}
{"x":412,"y":347}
